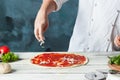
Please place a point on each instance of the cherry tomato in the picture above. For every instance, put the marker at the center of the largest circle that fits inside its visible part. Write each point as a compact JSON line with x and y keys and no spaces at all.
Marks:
{"x":4,"y":49}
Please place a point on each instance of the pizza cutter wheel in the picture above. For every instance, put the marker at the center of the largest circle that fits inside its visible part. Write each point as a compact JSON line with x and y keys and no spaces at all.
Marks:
{"x":95,"y":76}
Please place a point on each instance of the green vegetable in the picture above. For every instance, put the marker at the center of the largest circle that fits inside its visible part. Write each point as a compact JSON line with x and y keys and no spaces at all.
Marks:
{"x":9,"y":57}
{"x":115,"y":60}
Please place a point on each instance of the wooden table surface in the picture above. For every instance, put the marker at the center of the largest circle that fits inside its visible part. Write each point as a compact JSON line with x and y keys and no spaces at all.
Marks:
{"x":24,"y":70}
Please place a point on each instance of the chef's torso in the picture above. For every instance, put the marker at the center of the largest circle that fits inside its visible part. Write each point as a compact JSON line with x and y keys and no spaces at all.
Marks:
{"x":94,"y":26}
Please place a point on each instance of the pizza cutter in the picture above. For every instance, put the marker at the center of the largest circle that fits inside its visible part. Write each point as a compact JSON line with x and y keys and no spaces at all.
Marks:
{"x":95,"y":76}
{"x":114,"y":72}
{"x":106,"y":71}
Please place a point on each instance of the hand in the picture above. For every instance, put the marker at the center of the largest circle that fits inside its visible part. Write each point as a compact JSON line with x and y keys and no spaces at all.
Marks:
{"x":41,"y":21}
{"x":117,"y":41}
{"x":41,"y":25}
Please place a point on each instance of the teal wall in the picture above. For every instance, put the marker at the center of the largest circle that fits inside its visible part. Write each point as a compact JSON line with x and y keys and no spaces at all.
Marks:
{"x":17,"y":20}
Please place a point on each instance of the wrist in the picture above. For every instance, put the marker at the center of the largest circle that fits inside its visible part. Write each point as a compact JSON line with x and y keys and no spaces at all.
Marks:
{"x":43,"y":11}
{"x":48,"y":6}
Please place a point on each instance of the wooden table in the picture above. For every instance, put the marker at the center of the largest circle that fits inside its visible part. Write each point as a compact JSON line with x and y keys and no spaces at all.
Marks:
{"x":24,"y":70}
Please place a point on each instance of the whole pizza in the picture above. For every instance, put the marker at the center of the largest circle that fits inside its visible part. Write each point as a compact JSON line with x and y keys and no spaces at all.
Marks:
{"x":59,"y":59}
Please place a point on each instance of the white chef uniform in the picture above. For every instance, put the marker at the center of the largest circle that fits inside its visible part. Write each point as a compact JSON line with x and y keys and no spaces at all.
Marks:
{"x":94,"y":30}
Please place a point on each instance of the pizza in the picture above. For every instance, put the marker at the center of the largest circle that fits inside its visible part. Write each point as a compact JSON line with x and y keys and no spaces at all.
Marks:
{"x":59,"y":59}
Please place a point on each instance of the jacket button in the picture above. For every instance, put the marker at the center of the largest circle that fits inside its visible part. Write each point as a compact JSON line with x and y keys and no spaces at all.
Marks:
{"x":89,"y":34}
{"x":88,"y":48}
{"x":95,"y":4}
{"x":92,"y":19}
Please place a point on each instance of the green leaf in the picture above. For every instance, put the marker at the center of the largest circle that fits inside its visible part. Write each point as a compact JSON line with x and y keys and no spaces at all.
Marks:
{"x":9,"y":57}
{"x":115,"y":60}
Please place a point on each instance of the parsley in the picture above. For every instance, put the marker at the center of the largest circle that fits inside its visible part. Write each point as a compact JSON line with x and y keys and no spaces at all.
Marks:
{"x":9,"y":57}
{"x":115,"y":60}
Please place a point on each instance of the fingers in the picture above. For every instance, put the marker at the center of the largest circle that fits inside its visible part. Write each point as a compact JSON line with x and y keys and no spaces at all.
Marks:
{"x":41,"y":37}
{"x":36,"y":33}
{"x":41,"y":24}
{"x":117,"y":41}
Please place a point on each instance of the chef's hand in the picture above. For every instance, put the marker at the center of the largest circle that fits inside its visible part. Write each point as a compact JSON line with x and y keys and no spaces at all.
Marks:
{"x":41,"y":25}
{"x":41,"y":21}
{"x":117,"y":41}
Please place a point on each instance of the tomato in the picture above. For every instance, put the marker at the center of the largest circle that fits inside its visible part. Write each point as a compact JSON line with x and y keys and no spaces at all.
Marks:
{"x":4,"y":49}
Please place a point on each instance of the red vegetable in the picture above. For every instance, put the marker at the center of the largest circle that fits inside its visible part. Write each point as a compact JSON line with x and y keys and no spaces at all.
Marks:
{"x":4,"y":49}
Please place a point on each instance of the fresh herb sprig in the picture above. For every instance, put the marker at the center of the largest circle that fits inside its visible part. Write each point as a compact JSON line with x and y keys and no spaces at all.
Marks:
{"x":115,"y":60}
{"x":9,"y":57}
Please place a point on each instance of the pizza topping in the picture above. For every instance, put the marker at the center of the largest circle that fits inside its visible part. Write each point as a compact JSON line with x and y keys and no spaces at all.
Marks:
{"x":58,"y":60}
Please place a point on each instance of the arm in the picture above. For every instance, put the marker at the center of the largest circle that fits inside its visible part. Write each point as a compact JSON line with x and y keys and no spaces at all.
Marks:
{"x":41,"y":21}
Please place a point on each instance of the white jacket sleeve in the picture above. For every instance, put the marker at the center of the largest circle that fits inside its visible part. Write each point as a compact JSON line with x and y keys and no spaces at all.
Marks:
{"x":59,"y":3}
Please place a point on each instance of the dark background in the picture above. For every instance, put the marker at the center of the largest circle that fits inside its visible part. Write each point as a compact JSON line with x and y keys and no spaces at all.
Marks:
{"x":17,"y":25}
